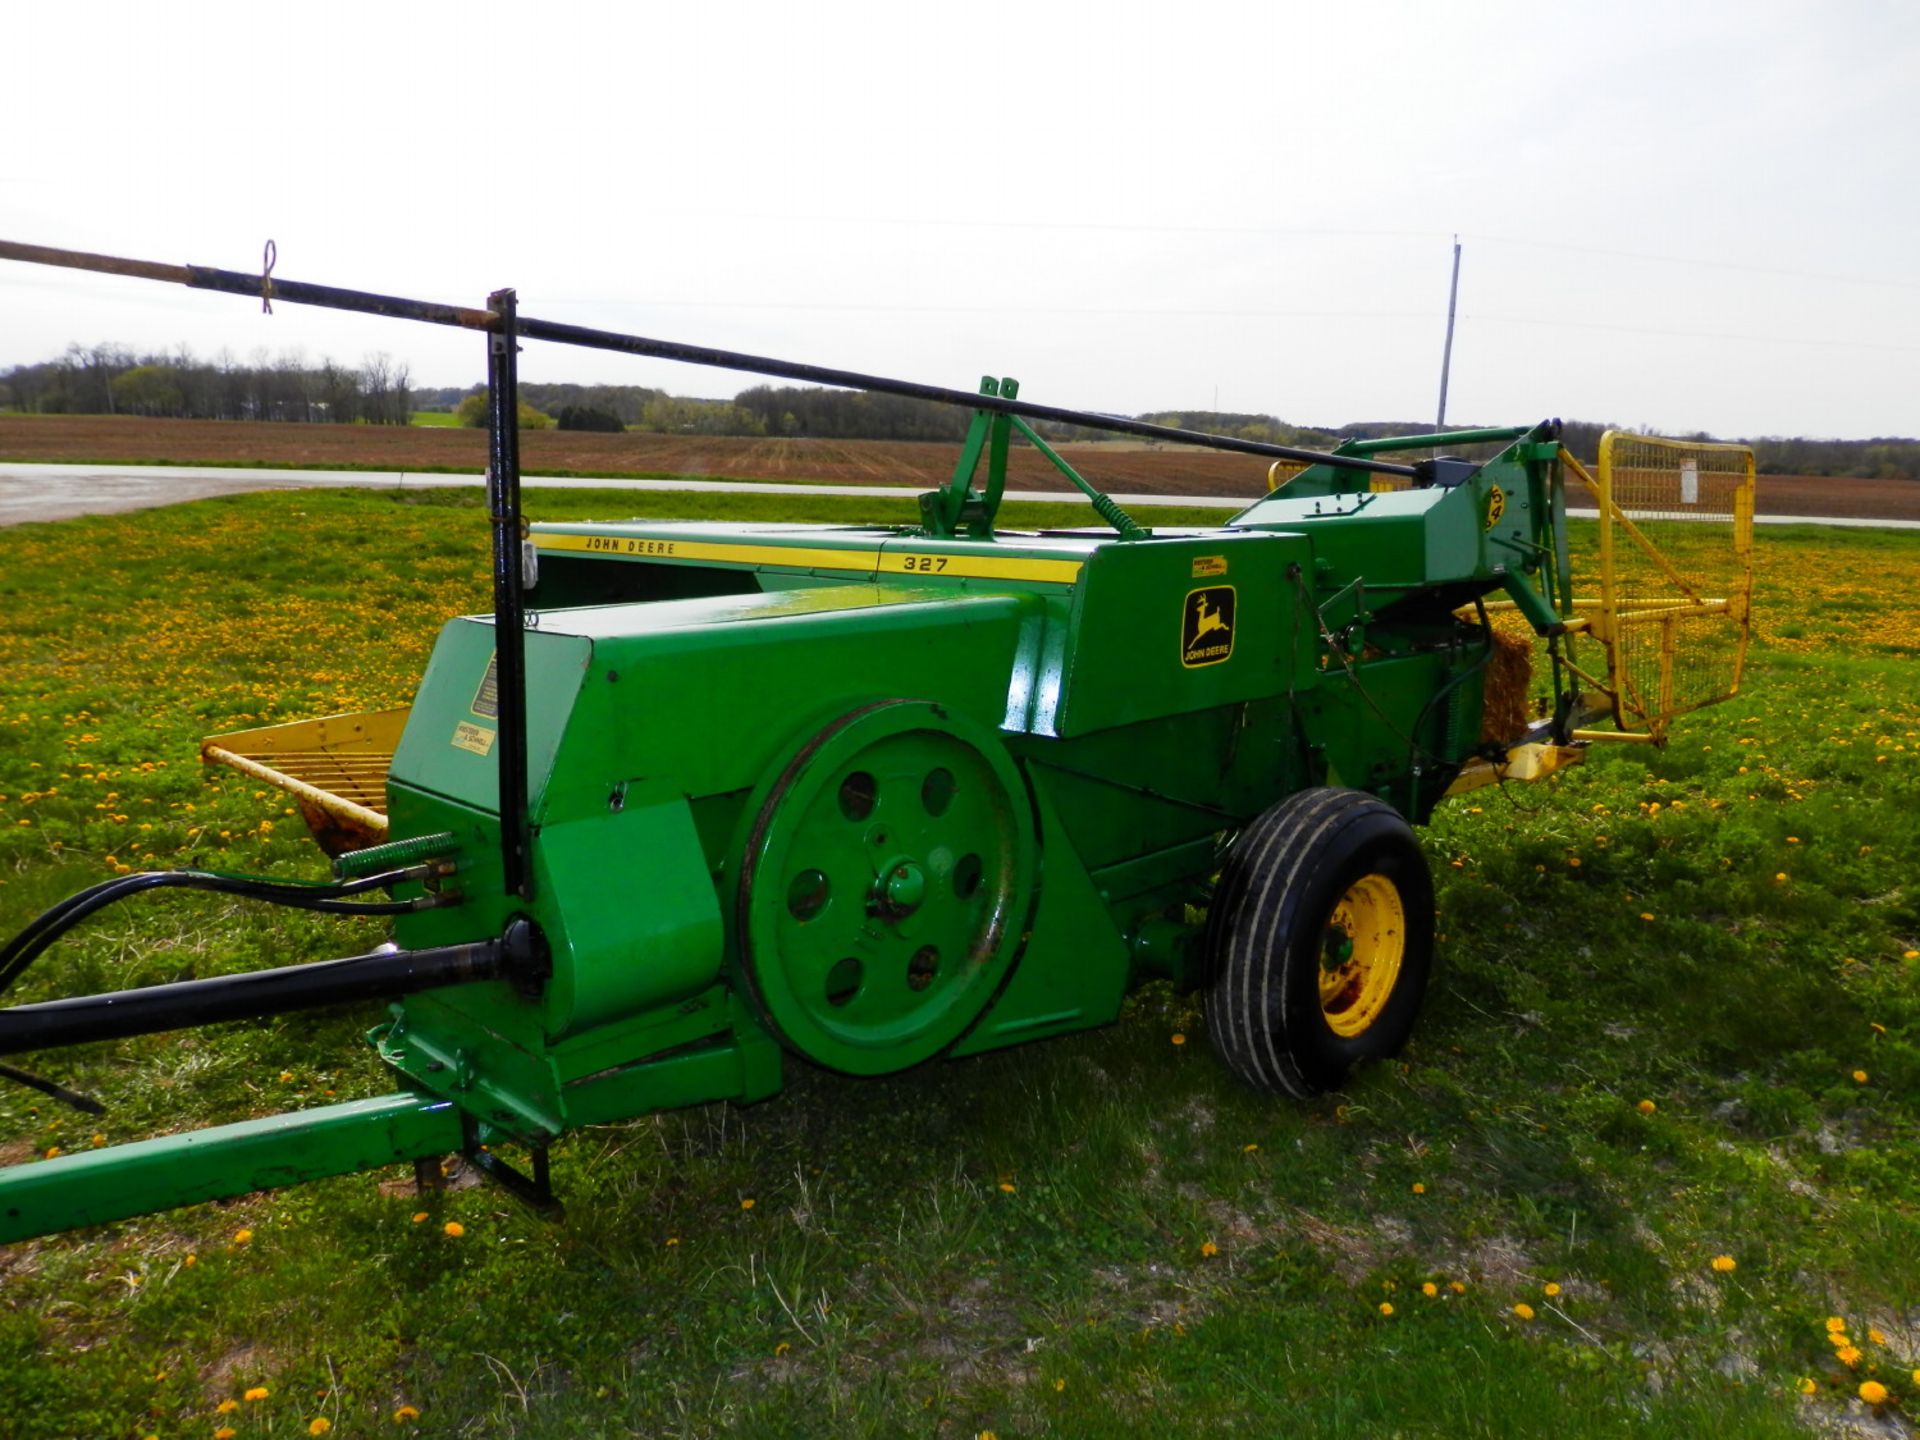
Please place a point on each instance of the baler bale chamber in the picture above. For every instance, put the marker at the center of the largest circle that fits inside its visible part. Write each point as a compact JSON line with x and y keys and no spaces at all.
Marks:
{"x":700,"y":801}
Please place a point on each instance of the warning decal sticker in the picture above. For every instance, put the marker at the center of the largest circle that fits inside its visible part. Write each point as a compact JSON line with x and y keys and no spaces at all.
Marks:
{"x":1206,"y":626}
{"x":475,"y":738}
{"x":486,"y":700}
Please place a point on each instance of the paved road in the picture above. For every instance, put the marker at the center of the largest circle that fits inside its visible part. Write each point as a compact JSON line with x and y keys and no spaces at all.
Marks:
{"x":60,"y":492}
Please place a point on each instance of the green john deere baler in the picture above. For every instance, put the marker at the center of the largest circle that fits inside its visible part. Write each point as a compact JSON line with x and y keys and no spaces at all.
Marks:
{"x":700,"y":802}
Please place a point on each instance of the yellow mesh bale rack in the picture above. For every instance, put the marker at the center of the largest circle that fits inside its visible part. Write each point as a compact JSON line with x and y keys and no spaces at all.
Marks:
{"x":1674,"y":613}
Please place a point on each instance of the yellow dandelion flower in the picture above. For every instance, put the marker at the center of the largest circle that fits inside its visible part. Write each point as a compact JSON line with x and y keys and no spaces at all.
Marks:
{"x":1006,"y":1187}
{"x":454,"y":1229}
{"x":226,"y":1407}
{"x":1209,"y":1249}
{"x":258,"y":1392}
{"x":1859,"y":1077}
{"x":1429,"y":1289}
{"x":747,"y":1204}
{"x":1646,"y":1107}
{"x":1875,"y":1337}
{"x":672,"y":1240}
{"x":404,"y":1414}
{"x":1523,"y":1310}
{"x":1834,"y":1322}
{"x":1058,"y":1386}
{"x":1646,"y":915}
{"x":419,"y":1217}
{"x":1916,"y":1377}
{"x":1550,"y":1289}
{"x":1418,"y":1188}
{"x":225,"y":1432}
{"x":1178,"y":1038}
{"x":1847,"y":1355}
{"x":319,"y":1425}
{"x":1456,"y":1287}
{"x":1386,"y":1308}
{"x":1806,"y":1386}
{"x":1838,"y":1338}
{"x":1909,"y":955}
{"x":1873,"y":1392}
{"x":1249,"y":1149}
{"x":1779,"y":877}
{"x":242,"y":1237}
{"x":1725,"y":1264}
{"x":782,"y":1348}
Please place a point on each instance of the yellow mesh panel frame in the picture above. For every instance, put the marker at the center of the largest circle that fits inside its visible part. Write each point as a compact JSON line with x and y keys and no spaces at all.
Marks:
{"x":1676,"y":574}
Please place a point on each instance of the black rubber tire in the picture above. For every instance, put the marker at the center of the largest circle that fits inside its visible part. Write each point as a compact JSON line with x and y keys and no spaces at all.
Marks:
{"x":1277,"y":891}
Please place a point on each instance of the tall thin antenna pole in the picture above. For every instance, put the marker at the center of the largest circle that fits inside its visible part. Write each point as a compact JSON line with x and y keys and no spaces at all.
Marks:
{"x":1446,"y":355}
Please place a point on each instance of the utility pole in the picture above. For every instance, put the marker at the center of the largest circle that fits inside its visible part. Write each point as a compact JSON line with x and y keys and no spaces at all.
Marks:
{"x":1446,"y":355}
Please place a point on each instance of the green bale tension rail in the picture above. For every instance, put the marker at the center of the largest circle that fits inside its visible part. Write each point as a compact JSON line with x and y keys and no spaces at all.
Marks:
{"x":698,"y":802}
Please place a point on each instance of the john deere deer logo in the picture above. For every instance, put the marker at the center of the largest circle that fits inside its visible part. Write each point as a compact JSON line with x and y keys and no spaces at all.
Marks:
{"x":1206,"y":626}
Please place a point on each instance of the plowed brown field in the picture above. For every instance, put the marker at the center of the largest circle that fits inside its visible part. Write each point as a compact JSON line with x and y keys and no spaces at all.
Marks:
{"x":1126,"y":467}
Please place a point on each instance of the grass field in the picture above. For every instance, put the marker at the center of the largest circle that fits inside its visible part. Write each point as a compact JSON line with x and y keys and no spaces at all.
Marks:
{"x":1677,"y":1021}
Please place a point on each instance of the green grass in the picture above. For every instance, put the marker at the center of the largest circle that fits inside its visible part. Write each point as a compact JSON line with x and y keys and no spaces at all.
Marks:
{"x":885,"y":1281}
{"x":444,"y":418}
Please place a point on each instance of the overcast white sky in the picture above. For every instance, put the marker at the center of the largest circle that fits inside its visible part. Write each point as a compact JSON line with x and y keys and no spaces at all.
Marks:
{"x":1685,"y":215}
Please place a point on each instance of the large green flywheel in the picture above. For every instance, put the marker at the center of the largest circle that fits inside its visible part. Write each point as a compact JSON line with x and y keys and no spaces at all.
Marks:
{"x":885,"y":886}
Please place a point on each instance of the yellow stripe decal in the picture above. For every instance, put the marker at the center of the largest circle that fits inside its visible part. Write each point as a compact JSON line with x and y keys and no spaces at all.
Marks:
{"x":798,"y":557}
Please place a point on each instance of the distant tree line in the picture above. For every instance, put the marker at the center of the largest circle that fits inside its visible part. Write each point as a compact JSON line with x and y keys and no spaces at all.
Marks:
{"x":113,"y":380}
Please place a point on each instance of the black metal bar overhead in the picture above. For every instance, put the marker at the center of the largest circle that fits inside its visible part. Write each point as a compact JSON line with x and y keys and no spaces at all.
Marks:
{"x":236,"y":282}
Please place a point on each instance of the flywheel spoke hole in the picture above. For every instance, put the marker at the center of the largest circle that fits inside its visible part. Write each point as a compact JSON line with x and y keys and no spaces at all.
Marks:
{"x":922,"y":968}
{"x":936,"y":791}
{"x":843,"y":981}
{"x":967,"y":875}
{"x":858,"y":794}
{"x":807,"y":896}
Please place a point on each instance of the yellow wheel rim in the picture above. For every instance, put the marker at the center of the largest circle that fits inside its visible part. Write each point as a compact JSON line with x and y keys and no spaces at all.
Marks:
{"x":1366,"y":939}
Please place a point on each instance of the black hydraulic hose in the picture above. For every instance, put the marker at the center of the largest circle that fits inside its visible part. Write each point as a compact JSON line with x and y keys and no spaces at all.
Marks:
{"x":85,"y":1104}
{"x":295,"y":892}
{"x":326,"y":896}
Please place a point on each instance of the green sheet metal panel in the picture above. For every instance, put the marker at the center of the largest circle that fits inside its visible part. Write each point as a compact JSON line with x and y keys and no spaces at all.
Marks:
{"x":674,"y":708}
{"x":1166,"y":627}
